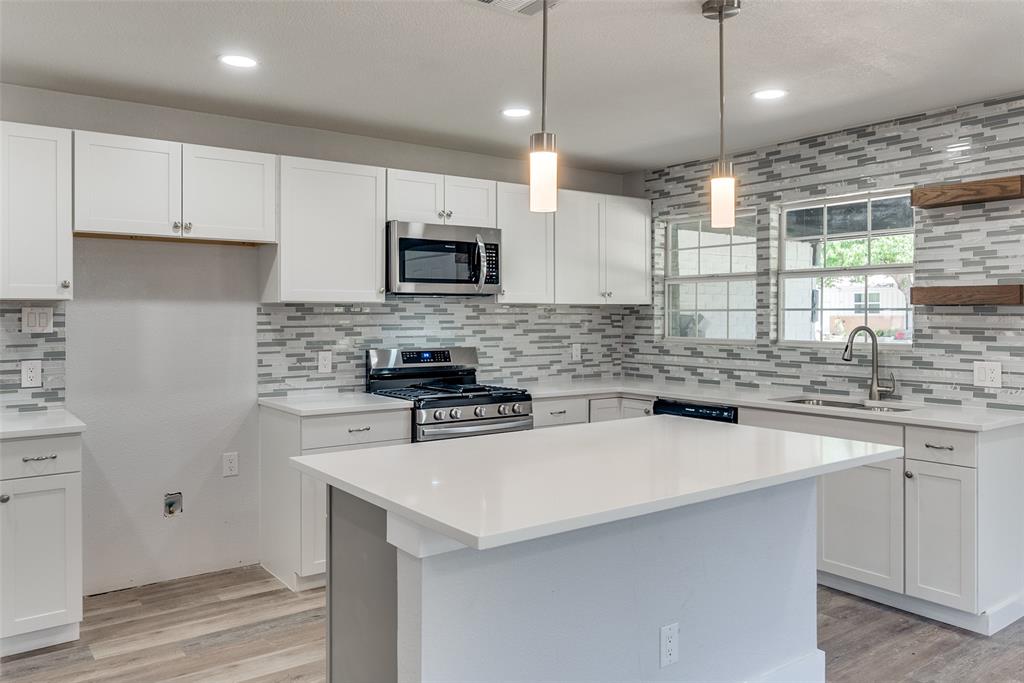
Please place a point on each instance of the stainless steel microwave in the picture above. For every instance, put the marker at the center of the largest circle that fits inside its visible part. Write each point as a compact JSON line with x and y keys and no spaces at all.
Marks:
{"x":426,"y":258}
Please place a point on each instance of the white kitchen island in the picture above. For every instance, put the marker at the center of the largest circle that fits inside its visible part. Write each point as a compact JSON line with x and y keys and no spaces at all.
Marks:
{"x":559,"y":554}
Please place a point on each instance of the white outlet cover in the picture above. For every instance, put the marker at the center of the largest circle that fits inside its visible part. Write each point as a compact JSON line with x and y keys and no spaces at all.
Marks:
{"x":324,"y":362}
{"x":31,"y":374}
{"x":577,"y":351}
{"x":669,"y":644}
{"x":36,"y":320}
{"x":229,"y":464}
{"x":988,"y":374}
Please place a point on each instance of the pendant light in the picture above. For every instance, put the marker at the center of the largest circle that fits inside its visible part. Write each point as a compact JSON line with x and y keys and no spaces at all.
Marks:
{"x":543,"y":155}
{"x":723,"y":182}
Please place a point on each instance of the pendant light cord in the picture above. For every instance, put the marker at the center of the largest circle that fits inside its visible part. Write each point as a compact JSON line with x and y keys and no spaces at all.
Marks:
{"x":721,"y":85}
{"x":544,"y":74}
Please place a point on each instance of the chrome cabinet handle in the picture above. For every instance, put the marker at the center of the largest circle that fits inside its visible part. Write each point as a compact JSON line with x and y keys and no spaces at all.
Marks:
{"x":908,"y":474}
{"x":937,"y":448}
{"x":176,"y":226}
{"x":557,"y":412}
{"x":66,"y":284}
{"x":358,"y":429}
{"x":188,"y":227}
{"x":52,"y":456}
{"x":4,"y":498}
{"x":440,"y":214}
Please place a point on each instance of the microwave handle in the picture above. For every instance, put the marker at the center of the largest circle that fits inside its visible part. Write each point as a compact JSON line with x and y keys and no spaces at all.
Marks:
{"x":481,"y":270}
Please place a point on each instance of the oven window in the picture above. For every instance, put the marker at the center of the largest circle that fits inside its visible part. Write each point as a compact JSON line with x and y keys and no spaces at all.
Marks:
{"x":437,"y":261}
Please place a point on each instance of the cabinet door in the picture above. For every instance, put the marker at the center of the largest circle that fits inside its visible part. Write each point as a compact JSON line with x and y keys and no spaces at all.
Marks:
{"x":527,"y":248}
{"x":40,"y":553}
{"x":626,"y":250}
{"x":331,"y":245}
{"x":605,"y":409}
{"x":470,"y":201}
{"x":635,"y":407}
{"x":127,"y":186}
{"x":942,"y":534}
{"x":35,"y":212}
{"x":415,"y":197}
{"x":228,"y":194}
{"x":578,"y":276}
{"x":860,"y":524}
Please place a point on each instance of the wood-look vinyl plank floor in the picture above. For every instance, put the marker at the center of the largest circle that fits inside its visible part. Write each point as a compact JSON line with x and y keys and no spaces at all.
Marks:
{"x":243,"y":625}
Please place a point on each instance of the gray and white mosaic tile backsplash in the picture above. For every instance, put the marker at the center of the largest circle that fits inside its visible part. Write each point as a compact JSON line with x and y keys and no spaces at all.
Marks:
{"x":16,"y":346}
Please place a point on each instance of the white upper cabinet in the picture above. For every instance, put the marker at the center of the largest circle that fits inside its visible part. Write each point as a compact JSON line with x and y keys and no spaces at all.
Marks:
{"x":470,"y":201}
{"x":228,"y":194}
{"x":126,"y":185}
{"x":417,"y":197}
{"x":626,"y":250}
{"x":35,"y":212}
{"x":331,"y":246}
{"x":578,"y":269}
{"x":527,"y":248}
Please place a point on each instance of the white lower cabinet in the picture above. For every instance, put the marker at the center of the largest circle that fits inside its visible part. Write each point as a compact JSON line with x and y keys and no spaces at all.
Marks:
{"x":293,"y":507}
{"x":618,"y":408}
{"x":554,"y":412}
{"x":637,"y":407}
{"x":40,"y":544}
{"x":942,"y":502}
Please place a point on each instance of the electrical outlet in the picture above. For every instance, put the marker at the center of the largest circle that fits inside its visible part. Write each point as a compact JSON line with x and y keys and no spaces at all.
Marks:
{"x":229,"y":465}
{"x":669,"y":644}
{"x":577,"y":351}
{"x":38,"y":320}
{"x":988,"y":374}
{"x":172,"y":504}
{"x":324,"y":362}
{"x":31,"y":374}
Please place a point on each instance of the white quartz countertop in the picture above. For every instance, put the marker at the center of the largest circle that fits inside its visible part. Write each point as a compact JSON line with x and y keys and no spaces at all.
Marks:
{"x":334,"y":404}
{"x":919,"y":414}
{"x":14,"y":425}
{"x":489,"y":491}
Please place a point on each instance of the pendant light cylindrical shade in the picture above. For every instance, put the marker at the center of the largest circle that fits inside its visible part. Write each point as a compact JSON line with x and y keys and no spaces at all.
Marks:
{"x":543,"y":173}
{"x":723,"y":197}
{"x":543,"y":155}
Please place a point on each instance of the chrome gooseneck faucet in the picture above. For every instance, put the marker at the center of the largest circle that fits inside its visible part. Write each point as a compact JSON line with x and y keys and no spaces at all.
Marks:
{"x":876,"y":391}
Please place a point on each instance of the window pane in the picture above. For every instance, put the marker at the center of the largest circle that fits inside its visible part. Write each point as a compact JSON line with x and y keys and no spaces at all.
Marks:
{"x":742,"y":295}
{"x":712,"y":324}
{"x":684,"y":234}
{"x":712,"y":295}
{"x":838,"y":324}
{"x":714,"y":260}
{"x":890,"y":291}
{"x":846,"y":218}
{"x":802,"y":292}
{"x":892,"y":249}
{"x":682,"y":324}
{"x":891,"y":213}
{"x":839,"y":291}
{"x":891,"y":325}
{"x":682,"y":296}
{"x":742,"y":324}
{"x":745,"y":230}
{"x":744,"y":258}
{"x":802,"y":325}
{"x":846,"y":253}
{"x":683,"y":263}
{"x":803,"y":254}
{"x":804,"y":223}
{"x":714,"y":237}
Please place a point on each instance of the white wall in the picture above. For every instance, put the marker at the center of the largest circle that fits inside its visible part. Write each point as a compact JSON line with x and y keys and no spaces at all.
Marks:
{"x":161,"y":365}
{"x":66,"y":110}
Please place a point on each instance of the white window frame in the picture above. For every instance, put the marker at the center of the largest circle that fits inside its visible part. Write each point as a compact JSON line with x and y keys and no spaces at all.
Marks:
{"x":850,"y":271}
{"x":668,"y":280}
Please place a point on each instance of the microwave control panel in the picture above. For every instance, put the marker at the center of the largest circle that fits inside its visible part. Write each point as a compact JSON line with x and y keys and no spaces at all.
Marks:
{"x":492,"y":264}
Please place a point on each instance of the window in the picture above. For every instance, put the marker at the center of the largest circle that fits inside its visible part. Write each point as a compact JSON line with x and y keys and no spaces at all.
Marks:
{"x":847,"y":261}
{"x":710,"y":279}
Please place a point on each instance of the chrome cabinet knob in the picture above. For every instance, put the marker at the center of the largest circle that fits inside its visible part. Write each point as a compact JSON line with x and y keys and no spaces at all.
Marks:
{"x":66,"y":284}
{"x":480,"y":411}
{"x":176,"y":226}
{"x":503,"y":292}
{"x":4,"y":498}
{"x":908,"y":474}
{"x":440,"y":214}
{"x":448,"y":213}
{"x":647,"y":411}
{"x":381,"y":290}
{"x":188,"y":227}
{"x":609,"y":295}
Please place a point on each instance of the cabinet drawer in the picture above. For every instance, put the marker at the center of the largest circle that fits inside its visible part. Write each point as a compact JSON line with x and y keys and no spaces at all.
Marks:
{"x":560,"y":411}
{"x":345,"y":430}
{"x":942,"y":445}
{"x":35,"y":457}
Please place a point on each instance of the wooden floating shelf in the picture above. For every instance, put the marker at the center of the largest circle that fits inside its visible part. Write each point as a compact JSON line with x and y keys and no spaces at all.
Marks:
{"x":968,"y":295}
{"x":973,"y":192}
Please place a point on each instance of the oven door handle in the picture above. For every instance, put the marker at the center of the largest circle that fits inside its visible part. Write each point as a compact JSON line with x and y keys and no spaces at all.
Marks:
{"x":481,"y":263}
{"x":519,"y":423}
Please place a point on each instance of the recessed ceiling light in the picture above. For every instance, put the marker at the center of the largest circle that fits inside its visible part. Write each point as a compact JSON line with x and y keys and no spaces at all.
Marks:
{"x":516,"y":112}
{"x":769,"y":94}
{"x":240,"y":61}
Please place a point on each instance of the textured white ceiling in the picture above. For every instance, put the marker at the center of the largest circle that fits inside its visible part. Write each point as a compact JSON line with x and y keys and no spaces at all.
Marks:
{"x":632,"y":82}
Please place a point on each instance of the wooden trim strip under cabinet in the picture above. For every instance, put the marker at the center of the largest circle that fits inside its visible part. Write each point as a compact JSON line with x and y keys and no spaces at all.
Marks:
{"x":973,"y":192}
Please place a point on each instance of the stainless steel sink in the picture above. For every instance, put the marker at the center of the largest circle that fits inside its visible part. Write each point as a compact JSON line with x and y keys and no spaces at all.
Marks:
{"x":855,"y":405}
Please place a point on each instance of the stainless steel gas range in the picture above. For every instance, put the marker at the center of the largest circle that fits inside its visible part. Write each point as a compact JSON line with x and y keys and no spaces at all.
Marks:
{"x":448,"y":403}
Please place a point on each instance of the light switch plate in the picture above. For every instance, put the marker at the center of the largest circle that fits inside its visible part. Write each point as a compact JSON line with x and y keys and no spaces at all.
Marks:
{"x":37,"y":320}
{"x":31,"y":374}
{"x":988,"y":374}
{"x":324,"y":362}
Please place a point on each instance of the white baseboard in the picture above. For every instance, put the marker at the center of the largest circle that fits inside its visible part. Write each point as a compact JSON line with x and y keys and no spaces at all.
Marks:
{"x":987,"y":623}
{"x":807,"y":669}
{"x":34,"y":640}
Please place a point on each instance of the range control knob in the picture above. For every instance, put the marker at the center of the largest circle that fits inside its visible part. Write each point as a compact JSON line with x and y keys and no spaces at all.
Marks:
{"x":455,"y":413}
{"x":516,"y":408}
{"x":480,"y":411}
{"x":439,"y":414}
{"x":503,"y":409}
